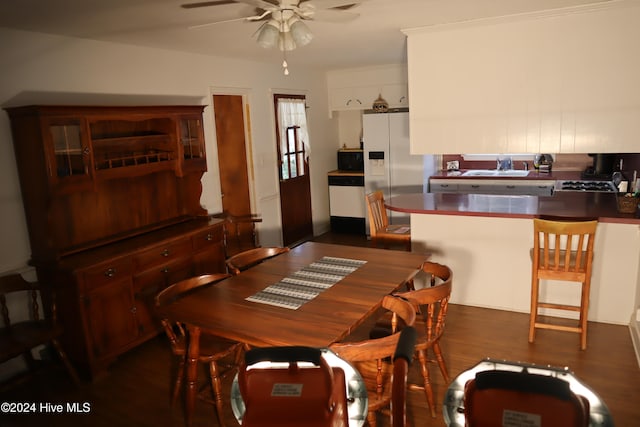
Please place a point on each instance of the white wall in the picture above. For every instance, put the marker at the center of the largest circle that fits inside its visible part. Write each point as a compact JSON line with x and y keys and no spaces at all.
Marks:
{"x":46,"y":69}
{"x":552,"y":82}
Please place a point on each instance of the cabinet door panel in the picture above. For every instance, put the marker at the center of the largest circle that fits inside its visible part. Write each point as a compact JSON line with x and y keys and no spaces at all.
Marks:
{"x":346,"y":99}
{"x":68,"y":154}
{"x":110,"y":314}
{"x":192,"y":148}
{"x":397,"y":95}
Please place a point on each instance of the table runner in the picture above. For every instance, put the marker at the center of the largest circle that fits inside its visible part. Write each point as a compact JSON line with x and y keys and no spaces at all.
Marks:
{"x":304,"y":285}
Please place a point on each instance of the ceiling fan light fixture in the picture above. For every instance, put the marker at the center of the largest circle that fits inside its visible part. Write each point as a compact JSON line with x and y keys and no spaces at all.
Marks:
{"x":286,"y":41}
{"x":269,"y":34}
{"x":300,"y":32}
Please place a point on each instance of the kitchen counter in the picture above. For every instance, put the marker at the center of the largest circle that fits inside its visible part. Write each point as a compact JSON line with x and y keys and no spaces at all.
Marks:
{"x":345,"y":173}
{"x":569,"y":205}
{"x":486,"y":241}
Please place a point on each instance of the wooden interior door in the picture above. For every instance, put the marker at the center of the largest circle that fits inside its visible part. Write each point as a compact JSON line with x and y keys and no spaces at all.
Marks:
{"x":232,"y":163}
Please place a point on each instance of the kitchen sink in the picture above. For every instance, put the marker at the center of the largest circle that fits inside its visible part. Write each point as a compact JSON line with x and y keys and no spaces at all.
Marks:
{"x":495,"y":172}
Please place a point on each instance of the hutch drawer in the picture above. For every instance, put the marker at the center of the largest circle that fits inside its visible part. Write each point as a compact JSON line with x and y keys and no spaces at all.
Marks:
{"x":107,"y":273}
{"x":161,"y":254}
{"x":207,"y":238}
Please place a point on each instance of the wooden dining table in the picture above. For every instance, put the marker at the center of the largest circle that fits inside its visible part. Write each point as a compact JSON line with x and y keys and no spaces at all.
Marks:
{"x":223,"y":310}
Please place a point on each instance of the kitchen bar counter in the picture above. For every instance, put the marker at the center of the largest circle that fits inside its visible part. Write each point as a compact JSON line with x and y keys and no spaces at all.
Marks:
{"x":569,"y":205}
{"x":486,"y":240}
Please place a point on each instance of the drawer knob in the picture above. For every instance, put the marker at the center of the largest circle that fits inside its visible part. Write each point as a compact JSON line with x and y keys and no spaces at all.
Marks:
{"x":110,"y":272}
{"x":209,"y":237}
{"x":165,"y":253}
{"x":165,"y":270}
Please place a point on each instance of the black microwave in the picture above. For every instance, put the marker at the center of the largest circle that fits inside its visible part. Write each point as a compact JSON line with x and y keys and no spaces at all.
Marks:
{"x":351,"y":160}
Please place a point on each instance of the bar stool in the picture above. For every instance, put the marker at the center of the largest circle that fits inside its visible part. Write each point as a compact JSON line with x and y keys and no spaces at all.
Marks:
{"x":562,"y":250}
{"x":382,"y":233}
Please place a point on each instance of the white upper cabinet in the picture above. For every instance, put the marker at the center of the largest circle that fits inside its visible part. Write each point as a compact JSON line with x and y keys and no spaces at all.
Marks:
{"x":353,"y":98}
{"x":553,"y":82}
{"x":358,"y":88}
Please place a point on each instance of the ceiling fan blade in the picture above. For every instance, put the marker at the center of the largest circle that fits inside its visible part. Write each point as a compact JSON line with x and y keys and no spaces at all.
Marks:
{"x":206,"y":4}
{"x":334,"y":15}
{"x":262,"y":4}
{"x":331,"y":4}
{"x":209,"y":24}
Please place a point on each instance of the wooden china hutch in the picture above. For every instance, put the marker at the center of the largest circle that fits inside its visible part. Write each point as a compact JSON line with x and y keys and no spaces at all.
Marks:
{"x":112,"y":201}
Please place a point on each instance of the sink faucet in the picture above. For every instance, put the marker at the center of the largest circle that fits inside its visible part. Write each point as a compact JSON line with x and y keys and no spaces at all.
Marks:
{"x":504,"y":163}
{"x":525,"y":166}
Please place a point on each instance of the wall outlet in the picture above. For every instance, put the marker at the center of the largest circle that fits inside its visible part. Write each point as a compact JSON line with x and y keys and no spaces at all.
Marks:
{"x":453,"y":165}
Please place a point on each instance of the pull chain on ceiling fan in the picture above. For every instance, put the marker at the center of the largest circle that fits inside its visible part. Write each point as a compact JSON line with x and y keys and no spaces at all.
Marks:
{"x":283,"y":24}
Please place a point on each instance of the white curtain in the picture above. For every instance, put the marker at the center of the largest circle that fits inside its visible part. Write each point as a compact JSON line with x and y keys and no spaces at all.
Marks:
{"x":292,"y":112}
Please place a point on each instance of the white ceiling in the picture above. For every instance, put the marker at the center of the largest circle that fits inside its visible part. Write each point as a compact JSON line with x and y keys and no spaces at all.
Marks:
{"x":373,"y":38}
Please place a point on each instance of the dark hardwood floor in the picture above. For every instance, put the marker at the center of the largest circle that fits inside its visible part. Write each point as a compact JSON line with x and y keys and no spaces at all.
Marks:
{"x":136,"y":390}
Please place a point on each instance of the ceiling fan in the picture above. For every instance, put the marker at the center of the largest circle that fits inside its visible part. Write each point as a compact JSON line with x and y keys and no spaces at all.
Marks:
{"x":283,"y":24}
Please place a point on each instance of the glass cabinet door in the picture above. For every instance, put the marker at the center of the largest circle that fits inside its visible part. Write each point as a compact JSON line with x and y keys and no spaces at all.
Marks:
{"x":69,"y":154}
{"x":192,"y":143}
{"x":191,"y":138}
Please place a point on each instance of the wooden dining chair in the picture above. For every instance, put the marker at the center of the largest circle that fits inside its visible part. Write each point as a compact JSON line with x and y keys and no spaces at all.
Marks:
{"x":213,"y":350}
{"x":36,"y":328}
{"x":562,"y":250}
{"x":371,"y":357}
{"x":381,"y":232}
{"x":401,"y":361}
{"x":431,"y":303}
{"x":240,"y":232}
{"x":247,"y":259}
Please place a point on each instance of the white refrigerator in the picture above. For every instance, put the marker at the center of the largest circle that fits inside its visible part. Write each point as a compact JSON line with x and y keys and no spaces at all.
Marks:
{"x":388,"y":164}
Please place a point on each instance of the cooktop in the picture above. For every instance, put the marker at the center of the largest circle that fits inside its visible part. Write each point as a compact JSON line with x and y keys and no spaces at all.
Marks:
{"x":592,"y":186}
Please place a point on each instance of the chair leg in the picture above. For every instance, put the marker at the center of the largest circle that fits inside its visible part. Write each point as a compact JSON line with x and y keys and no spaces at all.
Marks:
{"x":178,"y":384}
{"x":534,"y":307}
{"x":372,"y":419}
{"x":216,"y":386}
{"x":428,"y":391}
{"x":65,"y":360}
{"x":584,"y":313}
{"x":441,"y":363}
